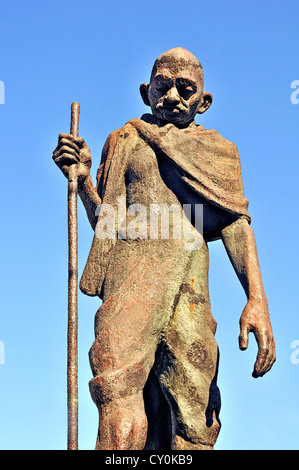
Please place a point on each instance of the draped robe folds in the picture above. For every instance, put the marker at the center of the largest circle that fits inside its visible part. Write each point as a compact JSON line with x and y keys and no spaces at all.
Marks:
{"x":205,"y":162}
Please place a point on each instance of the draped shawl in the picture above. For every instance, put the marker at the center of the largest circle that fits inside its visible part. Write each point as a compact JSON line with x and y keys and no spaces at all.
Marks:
{"x":206,"y":162}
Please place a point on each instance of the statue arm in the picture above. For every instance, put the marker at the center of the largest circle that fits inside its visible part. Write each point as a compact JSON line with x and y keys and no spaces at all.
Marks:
{"x":90,"y":195}
{"x":90,"y":199}
{"x":239,"y":242}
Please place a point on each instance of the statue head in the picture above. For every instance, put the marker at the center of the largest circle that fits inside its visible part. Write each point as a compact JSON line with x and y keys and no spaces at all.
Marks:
{"x":175,"y":92}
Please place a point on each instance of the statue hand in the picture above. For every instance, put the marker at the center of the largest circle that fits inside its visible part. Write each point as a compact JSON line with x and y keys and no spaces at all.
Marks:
{"x":70,"y":151}
{"x":255,"y":318}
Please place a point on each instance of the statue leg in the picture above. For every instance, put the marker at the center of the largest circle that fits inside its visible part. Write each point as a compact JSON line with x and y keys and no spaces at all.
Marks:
{"x":187,"y":363}
{"x":188,"y":376}
{"x":121,"y":358}
{"x":127,"y":329}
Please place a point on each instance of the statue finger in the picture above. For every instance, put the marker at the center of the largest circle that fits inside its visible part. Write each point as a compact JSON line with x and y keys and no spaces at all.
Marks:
{"x":66,"y":160}
{"x":65,"y":150}
{"x":243,"y":337}
{"x":65,"y":142}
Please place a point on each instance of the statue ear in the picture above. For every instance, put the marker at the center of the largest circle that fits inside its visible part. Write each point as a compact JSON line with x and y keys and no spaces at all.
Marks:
{"x":205,"y":102}
{"x":144,"y":93}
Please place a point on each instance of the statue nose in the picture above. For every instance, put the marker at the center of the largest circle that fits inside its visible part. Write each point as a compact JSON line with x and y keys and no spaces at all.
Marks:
{"x":173,"y":96}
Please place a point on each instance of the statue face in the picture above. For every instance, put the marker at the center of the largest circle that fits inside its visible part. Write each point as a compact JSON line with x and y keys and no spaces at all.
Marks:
{"x":175,"y":92}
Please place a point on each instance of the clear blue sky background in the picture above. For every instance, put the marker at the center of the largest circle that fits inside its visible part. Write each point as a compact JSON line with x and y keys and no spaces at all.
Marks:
{"x":98,"y":52}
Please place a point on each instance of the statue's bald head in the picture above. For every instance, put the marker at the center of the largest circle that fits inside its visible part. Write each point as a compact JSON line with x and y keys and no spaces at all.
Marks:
{"x":178,"y":57}
{"x":175,"y":92}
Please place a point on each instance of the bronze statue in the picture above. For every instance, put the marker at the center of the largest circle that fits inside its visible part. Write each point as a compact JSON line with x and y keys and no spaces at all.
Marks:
{"x":155,"y":357}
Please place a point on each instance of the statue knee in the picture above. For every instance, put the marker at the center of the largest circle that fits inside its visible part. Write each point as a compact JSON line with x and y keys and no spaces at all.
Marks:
{"x":122,"y":425}
{"x":122,"y":418}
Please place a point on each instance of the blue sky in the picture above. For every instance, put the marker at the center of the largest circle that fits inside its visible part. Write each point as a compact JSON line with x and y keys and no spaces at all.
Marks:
{"x":98,"y":53}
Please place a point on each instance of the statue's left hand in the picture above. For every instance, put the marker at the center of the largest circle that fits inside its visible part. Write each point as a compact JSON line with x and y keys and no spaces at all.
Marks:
{"x":255,"y":318}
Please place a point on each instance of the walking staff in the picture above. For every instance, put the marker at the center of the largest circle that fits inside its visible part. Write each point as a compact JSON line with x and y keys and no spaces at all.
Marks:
{"x":72,"y":332}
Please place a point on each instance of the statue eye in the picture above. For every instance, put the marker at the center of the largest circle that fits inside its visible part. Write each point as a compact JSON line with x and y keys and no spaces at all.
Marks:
{"x":185,"y":90}
{"x":163,"y":88}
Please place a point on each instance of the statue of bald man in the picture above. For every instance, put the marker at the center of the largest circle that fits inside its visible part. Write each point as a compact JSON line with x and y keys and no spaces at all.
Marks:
{"x":155,"y":358}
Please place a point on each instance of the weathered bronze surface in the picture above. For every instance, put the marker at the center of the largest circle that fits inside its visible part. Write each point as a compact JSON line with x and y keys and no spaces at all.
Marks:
{"x":155,"y":358}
